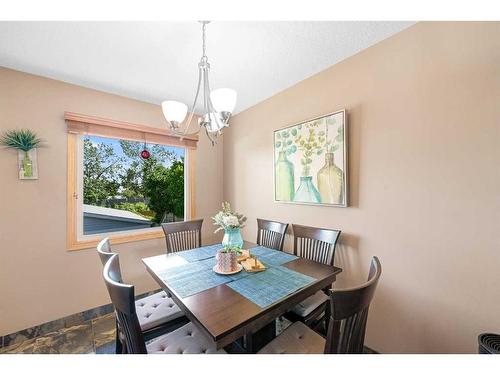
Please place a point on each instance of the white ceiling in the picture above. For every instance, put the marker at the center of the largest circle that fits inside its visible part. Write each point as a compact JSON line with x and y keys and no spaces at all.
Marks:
{"x":154,"y":61}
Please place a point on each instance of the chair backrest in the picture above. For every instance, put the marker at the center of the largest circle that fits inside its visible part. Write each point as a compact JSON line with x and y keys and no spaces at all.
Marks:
{"x":122,"y":297}
{"x":104,"y":250}
{"x":349,"y":313}
{"x":317,"y":244}
{"x":105,"y":253}
{"x":271,"y":234}
{"x":183,"y":235}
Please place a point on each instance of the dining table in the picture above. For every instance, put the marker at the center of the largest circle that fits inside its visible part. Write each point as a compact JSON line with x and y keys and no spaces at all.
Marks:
{"x":240,"y":308}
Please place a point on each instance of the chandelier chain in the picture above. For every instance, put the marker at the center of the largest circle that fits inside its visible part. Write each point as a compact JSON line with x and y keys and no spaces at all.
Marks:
{"x":203,"y":27}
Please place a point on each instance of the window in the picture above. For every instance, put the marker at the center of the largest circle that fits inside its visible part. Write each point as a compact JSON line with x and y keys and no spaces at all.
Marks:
{"x":124,"y":191}
{"x":113,"y":191}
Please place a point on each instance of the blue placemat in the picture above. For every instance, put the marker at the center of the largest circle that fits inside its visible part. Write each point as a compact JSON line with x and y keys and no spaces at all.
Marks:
{"x":272,"y":257}
{"x":267,"y":287}
{"x":200,"y":253}
{"x":195,"y":277}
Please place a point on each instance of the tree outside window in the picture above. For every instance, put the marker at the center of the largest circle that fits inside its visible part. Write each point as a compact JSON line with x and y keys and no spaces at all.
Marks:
{"x":123,"y":191}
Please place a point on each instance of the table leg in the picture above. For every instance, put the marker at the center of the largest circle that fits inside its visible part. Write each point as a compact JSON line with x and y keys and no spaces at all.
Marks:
{"x":255,"y":341}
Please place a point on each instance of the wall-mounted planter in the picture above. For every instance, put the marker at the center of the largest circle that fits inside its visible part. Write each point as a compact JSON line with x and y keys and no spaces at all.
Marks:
{"x":28,"y":164}
{"x":25,"y":141}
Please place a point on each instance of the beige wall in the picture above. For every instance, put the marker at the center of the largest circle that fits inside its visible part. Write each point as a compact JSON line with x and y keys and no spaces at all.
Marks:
{"x":424,"y":117}
{"x":39,"y":280}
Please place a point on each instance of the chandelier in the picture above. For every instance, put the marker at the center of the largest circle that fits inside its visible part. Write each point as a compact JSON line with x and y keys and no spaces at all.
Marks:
{"x":218,"y":105}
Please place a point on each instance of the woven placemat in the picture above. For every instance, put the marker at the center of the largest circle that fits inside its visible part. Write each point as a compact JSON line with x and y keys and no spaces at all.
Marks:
{"x":195,"y":277}
{"x":271,"y":285}
{"x":272,"y":257}
{"x":200,"y":253}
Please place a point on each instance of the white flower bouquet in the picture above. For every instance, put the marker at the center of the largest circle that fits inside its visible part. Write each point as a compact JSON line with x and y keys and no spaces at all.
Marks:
{"x":228,"y":219}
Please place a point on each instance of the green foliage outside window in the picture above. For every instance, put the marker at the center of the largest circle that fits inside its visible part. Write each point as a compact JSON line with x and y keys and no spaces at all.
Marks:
{"x":114,"y":175}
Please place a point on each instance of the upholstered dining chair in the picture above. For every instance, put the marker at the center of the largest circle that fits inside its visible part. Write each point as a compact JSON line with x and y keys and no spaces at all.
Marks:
{"x":347,"y":326}
{"x":184,"y":340}
{"x":271,"y":234}
{"x":182,"y":235}
{"x":316,"y":244}
{"x":156,"y":313}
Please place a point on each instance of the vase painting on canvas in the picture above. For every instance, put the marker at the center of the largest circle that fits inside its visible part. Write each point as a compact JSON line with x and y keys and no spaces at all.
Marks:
{"x":310,"y":161}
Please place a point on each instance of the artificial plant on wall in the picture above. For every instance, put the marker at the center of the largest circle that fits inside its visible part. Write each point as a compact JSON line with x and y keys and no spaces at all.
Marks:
{"x":26,"y":142}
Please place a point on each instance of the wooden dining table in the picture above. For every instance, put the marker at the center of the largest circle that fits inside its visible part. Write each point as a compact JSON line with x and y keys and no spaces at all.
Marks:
{"x":225,"y":316}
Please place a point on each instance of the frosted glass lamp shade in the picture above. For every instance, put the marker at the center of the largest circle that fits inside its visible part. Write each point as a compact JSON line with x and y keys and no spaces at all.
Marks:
{"x":223,"y":100}
{"x":174,"y":111}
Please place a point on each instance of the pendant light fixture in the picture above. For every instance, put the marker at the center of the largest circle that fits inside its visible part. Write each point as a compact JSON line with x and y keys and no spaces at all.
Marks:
{"x":218,"y":105}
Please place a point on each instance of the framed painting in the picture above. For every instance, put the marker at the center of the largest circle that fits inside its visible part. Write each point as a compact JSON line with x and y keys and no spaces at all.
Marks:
{"x":310,"y":161}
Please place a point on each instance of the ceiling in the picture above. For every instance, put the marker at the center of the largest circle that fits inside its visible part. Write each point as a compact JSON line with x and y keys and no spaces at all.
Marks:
{"x":154,"y":61}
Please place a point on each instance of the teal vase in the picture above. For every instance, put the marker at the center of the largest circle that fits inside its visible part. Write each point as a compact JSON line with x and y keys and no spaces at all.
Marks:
{"x":285,"y":183}
{"x":232,"y":238}
{"x":307,"y":192}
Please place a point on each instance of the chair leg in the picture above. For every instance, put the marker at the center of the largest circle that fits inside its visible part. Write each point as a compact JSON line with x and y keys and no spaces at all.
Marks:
{"x":120,"y":348}
{"x":119,"y":345}
{"x":328,"y":313}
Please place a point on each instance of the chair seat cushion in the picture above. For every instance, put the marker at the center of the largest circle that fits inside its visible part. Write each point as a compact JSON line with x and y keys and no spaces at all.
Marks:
{"x":308,"y":305}
{"x":155,"y":310}
{"x":184,"y":340}
{"x":296,"y":339}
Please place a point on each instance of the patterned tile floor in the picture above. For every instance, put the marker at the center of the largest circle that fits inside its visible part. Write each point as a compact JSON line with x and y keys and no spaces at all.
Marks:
{"x":95,"y":336}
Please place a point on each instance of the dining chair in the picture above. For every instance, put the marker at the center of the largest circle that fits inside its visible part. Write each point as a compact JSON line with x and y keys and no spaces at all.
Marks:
{"x":271,"y":234}
{"x":184,"y":340}
{"x":157,"y":313}
{"x":182,"y":235}
{"x":316,"y":244}
{"x":347,"y":326}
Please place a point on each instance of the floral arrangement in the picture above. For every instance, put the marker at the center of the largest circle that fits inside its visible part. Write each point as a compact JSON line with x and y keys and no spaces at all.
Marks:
{"x":228,"y":219}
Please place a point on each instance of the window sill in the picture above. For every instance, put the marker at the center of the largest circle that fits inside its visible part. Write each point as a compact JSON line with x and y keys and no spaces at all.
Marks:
{"x":117,"y":239}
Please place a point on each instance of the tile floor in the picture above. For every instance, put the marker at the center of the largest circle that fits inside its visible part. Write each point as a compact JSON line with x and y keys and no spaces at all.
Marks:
{"x":94,"y":336}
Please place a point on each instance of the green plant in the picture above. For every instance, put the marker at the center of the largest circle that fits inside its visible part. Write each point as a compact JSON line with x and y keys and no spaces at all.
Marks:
{"x":139,"y":208}
{"x":101,"y":166}
{"x":165,"y":189}
{"x":23,"y":139}
{"x":231,"y":249}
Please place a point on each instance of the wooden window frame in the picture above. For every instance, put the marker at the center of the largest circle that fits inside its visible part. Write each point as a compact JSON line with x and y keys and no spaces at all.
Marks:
{"x":78,"y":125}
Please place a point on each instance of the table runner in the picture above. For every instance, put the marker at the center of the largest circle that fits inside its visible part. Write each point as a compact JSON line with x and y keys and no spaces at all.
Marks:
{"x":272,"y":257}
{"x":268,"y":287}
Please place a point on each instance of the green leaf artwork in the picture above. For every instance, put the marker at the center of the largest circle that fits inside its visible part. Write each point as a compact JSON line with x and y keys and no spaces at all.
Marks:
{"x":309,"y":161}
